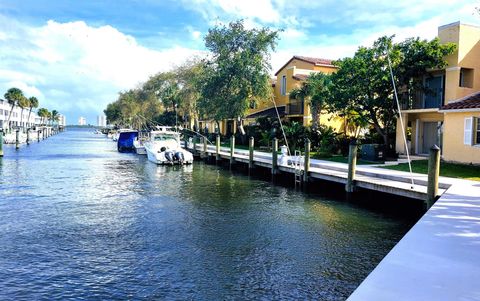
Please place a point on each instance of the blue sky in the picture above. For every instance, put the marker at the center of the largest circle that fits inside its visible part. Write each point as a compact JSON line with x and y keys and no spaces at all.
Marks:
{"x":75,"y":56}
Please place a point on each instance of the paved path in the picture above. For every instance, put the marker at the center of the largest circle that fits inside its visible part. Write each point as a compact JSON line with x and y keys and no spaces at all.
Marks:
{"x":439,"y":258}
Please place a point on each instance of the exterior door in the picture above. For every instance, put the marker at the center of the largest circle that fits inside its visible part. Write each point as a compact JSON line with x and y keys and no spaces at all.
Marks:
{"x":430,"y":136}
{"x":434,"y":95}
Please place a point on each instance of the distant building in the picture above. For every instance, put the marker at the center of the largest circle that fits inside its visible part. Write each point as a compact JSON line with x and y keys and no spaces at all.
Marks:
{"x":62,"y":120}
{"x":82,"y":121}
{"x":102,"y":120}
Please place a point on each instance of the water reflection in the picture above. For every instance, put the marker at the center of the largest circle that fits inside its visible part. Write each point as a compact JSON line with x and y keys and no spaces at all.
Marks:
{"x":81,"y":221}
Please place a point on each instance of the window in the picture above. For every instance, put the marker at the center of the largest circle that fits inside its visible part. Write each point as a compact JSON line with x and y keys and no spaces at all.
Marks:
{"x":466,"y":78}
{"x":477,"y":130}
{"x":283,"y":86}
{"x":471,"y":133}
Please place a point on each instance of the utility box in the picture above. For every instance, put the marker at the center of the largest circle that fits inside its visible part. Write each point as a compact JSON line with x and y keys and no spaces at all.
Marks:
{"x":372,"y":152}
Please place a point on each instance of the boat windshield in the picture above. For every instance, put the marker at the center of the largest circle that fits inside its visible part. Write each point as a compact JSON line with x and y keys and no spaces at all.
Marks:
{"x":164,"y":137}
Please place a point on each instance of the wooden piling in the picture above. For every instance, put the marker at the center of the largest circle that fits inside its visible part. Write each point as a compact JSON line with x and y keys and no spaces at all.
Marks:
{"x":17,"y":139}
{"x":194,"y":145}
{"x":251,"y":144}
{"x":352,"y":164}
{"x":274,"y":156}
{"x":28,"y":136}
{"x":204,"y":152}
{"x":217,"y":148}
{"x":306,"y":161}
{"x":38,"y":135}
{"x":1,"y":143}
{"x":433,"y":174}
{"x":232,"y":150}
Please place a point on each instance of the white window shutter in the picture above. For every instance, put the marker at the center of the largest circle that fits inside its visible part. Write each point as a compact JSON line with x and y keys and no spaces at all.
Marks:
{"x":468,"y":131}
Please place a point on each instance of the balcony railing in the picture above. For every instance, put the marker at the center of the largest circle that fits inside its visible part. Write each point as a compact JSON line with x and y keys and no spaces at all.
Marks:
{"x":295,"y":108}
{"x":420,"y":101}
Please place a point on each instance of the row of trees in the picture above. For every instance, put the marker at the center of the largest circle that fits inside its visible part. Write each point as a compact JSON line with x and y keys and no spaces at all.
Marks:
{"x":236,"y":76}
{"x":16,"y":98}
{"x":223,"y":85}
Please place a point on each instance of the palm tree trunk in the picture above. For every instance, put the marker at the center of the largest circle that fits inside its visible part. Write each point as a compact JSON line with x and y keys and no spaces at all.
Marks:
{"x":10,"y":115}
{"x":30,"y":112}
{"x":315,"y":117}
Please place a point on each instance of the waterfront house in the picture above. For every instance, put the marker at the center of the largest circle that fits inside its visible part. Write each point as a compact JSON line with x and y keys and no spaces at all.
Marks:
{"x":288,"y":77}
{"x":447,"y":114}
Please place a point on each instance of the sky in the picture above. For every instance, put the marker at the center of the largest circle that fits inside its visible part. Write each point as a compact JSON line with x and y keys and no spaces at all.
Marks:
{"x":75,"y":56}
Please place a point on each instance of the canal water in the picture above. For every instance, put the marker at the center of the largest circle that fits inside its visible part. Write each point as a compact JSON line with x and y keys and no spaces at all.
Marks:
{"x":78,"y":220}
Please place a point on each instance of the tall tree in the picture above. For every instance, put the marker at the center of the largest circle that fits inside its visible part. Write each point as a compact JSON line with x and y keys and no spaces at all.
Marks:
{"x":238,"y":72}
{"x":23,"y":103}
{"x":33,"y":104}
{"x":363,"y":84}
{"x":13,"y":96}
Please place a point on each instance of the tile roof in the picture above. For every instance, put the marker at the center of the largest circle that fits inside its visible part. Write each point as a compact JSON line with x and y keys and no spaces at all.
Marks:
{"x":314,"y":60}
{"x":471,"y":101}
{"x":300,"y":76}
{"x":311,"y":60}
{"x":271,"y":112}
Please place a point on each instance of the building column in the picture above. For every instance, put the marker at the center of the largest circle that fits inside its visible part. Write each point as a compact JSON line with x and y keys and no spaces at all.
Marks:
{"x":399,"y":140}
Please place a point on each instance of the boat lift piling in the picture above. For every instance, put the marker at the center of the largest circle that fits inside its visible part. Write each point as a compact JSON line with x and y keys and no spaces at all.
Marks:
{"x":433,"y":173}
{"x":1,"y":142}
{"x":17,"y":139}
{"x":232,"y":150}
{"x":352,"y":164}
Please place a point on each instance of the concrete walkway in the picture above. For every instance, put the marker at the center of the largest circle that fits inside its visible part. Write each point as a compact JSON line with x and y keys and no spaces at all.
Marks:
{"x":439,"y":258}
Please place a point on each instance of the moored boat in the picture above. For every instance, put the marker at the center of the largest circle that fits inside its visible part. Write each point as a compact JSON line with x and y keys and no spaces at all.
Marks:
{"x":164,"y":148}
{"x":125,"y":140}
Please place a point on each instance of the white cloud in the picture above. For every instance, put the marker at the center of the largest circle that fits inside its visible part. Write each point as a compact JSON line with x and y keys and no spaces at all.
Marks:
{"x":261,"y":10}
{"x":75,"y":67}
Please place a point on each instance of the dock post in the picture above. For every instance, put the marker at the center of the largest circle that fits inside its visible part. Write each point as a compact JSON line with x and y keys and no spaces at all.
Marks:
{"x":17,"y":139}
{"x":194,"y":145}
{"x":251,"y":144}
{"x":232,"y":150}
{"x":38,"y":135}
{"x":28,"y":136}
{"x":352,"y":164}
{"x":217,"y":148}
{"x":306,"y":161}
{"x":1,"y":142}
{"x":204,"y":148}
{"x":274,"y":156}
{"x":433,"y":173}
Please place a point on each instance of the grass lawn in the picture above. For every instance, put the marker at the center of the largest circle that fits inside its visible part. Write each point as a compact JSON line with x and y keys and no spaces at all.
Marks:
{"x":453,"y":170}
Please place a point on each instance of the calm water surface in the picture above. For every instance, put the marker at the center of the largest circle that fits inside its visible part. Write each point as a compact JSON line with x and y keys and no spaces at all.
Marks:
{"x":80,"y":221}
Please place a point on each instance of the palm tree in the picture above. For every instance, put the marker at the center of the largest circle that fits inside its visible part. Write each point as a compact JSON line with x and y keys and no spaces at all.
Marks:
{"x":315,"y":90}
{"x":23,"y":103}
{"x":43,"y":113}
{"x":13,"y":96}
{"x":54,"y":116}
{"x":33,"y":105}
{"x":319,"y":84}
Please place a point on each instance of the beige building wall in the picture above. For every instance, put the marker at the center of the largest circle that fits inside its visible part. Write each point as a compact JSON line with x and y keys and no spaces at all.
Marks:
{"x":454,"y":148}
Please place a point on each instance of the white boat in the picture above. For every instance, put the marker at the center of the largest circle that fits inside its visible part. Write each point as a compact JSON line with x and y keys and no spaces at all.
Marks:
{"x":139,"y":147}
{"x":164,"y":148}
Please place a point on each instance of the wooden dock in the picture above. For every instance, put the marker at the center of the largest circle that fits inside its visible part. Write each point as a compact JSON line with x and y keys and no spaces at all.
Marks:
{"x":387,"y":181}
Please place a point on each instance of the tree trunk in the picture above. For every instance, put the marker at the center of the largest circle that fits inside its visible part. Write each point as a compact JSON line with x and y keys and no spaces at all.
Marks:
{"x":30,"y":112}
{"x":10,"y":115}
{"x":315,"y":117}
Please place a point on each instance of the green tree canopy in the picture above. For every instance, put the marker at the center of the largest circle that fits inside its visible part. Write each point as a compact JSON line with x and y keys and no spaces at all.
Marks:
{"x":363,"y":83}
{"x":237,"y":72}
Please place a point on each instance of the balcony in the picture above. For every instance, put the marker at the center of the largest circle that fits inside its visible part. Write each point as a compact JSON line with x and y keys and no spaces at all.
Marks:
{"x":295,"y":107}
{"x":421,"y":101}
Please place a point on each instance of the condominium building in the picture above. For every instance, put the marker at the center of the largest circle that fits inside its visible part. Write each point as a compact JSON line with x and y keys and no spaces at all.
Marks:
{"x":17,"y":117}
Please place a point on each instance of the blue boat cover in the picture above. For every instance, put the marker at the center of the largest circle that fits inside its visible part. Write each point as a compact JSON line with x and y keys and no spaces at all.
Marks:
{"x":125,"y":141}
